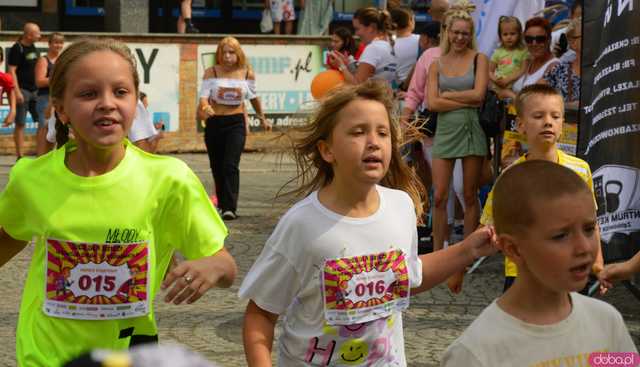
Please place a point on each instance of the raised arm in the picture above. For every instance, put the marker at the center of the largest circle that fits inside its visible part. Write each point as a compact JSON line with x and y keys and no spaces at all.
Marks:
{"x":440,"y":265}
{"x":9,"y":247}
{"x":257,"y":335}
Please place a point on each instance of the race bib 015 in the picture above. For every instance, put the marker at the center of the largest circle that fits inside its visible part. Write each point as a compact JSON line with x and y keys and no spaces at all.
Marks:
{"x":364,"y":288}
{"x":91,"y":281}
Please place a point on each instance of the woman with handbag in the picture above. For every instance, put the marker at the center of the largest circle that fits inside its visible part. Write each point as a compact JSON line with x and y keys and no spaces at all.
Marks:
{"x":455,"y":90}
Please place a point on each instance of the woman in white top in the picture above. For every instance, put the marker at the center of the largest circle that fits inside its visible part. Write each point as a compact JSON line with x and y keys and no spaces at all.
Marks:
{"x":225,"y":87}
{"x":537,"y":35}
{"x":378,"y":60}
{"x":406,"y":45}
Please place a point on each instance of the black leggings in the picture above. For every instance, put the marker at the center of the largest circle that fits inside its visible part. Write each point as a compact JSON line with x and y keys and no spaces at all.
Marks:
{"x":224,"y":137}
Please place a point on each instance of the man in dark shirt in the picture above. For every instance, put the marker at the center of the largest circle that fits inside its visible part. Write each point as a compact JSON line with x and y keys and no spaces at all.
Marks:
{"x":22,"y":62}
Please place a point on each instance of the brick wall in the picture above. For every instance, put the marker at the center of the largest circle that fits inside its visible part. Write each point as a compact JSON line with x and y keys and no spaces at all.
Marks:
{"x":187,"y":138}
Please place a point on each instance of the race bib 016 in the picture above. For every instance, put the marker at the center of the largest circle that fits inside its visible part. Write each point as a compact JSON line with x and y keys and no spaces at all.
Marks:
{"x":364,"y":288}
{"x":91,"y":281}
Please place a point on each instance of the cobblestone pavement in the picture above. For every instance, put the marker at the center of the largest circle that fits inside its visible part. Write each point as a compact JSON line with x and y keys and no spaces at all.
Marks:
{"x":212,"y":326}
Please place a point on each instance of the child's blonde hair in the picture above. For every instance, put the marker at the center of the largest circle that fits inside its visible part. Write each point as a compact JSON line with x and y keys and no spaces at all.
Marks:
{"x":77,"y":50}
{"x":314,"y":172}
{"x":511,"y":19}
{"x":534,"y":90}
{"x":460,"y":11}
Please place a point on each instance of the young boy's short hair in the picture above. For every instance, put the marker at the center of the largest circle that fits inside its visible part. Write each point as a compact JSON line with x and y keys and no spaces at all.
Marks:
{"x":530,"y":181}
{"x":534,"y":90}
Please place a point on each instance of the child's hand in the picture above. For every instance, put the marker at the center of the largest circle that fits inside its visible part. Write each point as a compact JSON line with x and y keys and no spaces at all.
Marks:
{"x":455,"y":282}
{"x":193,"y":278}
{"x":9,"y":119}
{"x":613,"y":273}
{"x":482,"y":242}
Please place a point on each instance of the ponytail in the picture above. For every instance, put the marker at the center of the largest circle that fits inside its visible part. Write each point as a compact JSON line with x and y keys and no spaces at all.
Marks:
{"x":62,"y":132}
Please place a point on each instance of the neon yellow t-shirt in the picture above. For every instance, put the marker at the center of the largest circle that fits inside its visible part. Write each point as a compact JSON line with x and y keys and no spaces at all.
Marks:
{"x":577,"y":165}
{"x":155,"y":202}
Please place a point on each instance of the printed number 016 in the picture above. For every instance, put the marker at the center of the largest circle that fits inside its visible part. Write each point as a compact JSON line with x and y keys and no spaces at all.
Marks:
{"x":106,"y":283}
{"x":377,"y":287}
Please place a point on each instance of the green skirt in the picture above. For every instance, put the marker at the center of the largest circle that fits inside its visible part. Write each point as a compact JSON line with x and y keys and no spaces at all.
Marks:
{"x":459,"y":135}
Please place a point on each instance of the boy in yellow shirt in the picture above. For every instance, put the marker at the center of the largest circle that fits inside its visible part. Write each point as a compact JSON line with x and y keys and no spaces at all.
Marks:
{"x":540,"y":118}
{"x":545,"y":222}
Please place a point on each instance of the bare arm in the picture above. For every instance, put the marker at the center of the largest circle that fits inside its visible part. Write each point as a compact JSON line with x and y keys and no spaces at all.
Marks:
{"x":257,"y":106}
{"x":473,"y":96}
{"x":492,"y":71}
{"x":217,"y":270}
{"x":12,"y":108}
{"x":440,"y":265}
{"x":10,"y":247}
{"x":436,"y":103}
{"x":19,"y":96}
{"x":363,"y":72}
{"x":257,"y":335}
{"x":41,"y":73}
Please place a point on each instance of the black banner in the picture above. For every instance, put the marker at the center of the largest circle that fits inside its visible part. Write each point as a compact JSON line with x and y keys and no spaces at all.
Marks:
{"x":609,"y":132}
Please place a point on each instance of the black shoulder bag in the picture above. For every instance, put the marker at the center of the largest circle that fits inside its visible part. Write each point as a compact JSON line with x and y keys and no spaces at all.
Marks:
{"x":491,"y":111}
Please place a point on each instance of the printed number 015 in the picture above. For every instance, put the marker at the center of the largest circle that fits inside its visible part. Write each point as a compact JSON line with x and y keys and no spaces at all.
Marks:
{"x":103,"y":283}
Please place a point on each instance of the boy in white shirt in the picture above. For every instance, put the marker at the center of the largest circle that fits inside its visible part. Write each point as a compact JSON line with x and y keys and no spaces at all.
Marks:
{"x":545,"y":220}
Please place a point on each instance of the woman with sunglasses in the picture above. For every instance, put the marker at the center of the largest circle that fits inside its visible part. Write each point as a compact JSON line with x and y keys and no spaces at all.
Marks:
{"x":537,"y":36}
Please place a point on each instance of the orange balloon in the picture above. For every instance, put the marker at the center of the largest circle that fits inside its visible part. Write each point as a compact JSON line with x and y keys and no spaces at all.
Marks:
{"x":324,"y":82}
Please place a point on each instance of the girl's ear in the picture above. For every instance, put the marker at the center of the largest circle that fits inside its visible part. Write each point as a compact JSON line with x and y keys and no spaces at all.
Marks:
{"x":325,"y":151}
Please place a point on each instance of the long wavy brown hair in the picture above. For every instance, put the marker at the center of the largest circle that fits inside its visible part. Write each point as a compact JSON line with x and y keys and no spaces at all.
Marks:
{"x":313,"y":172}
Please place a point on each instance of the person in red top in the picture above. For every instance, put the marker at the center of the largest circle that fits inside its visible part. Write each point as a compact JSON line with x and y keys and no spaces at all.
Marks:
{"x":7,"y":86}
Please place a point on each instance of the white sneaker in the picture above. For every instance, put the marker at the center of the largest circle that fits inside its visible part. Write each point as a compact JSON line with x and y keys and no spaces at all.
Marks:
{"x":229,"y":215}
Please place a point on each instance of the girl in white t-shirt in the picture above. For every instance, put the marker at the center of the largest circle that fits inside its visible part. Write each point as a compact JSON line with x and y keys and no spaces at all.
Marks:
{"x":378,"y":60}
{"x":342,"y":262}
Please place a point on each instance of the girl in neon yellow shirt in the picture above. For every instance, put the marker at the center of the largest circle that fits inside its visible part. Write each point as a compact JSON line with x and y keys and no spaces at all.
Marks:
{"x":105,"y":218}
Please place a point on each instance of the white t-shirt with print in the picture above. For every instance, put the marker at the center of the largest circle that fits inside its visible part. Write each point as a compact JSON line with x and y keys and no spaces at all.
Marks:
{"x":290,"y":278}
{"x":379,"y":55}
{"x":406,"y":50}
{"x":497,"y":339}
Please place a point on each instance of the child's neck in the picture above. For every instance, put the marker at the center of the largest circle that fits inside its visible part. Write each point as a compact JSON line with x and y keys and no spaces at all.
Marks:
{"x":528,"y":301}
{"x":88,"y":161}
{"x":545,"y":153}
{"x":349,"y":200}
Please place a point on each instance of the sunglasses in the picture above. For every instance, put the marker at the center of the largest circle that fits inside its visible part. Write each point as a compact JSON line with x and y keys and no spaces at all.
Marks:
{"x":537,"y":39}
